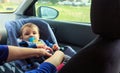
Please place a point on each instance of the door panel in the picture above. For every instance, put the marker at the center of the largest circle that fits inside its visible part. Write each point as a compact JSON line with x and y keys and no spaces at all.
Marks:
{"x":74,"y":34}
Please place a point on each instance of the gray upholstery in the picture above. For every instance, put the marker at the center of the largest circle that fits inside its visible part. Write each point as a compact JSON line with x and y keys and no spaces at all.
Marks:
{"x":13,"y":28}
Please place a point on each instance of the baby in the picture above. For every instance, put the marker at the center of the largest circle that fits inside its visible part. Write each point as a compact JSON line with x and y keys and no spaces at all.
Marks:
{"x":29,"y":37}
{"x":30,"y":33}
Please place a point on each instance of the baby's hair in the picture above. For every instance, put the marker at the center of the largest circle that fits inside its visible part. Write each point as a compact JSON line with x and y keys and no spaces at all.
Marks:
{"x":31,"y":25}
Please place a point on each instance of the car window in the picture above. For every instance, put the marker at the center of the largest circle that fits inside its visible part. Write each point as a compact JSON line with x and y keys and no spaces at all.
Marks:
{"x":69,"y":10}
{"x":9,"y":5}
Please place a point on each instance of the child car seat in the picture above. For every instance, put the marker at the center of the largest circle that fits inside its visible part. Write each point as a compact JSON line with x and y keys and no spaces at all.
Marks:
{"x":13,"y":28}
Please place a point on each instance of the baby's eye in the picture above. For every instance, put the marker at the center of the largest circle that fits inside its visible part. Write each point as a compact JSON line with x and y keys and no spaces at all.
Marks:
{"x":26,"y":34}
{"x":34,"y":32}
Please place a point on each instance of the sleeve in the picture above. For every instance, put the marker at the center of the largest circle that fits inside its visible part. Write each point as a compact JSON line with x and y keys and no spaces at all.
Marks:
{"x":48,"y":43}
{"x":45,"y":67}
{"x":27,"y":44}
{"x":3,"y":53}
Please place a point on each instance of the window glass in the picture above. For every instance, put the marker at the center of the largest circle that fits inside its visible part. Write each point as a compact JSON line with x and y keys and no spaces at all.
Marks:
{"x":9,"y":5}
{"x":69,"y":10}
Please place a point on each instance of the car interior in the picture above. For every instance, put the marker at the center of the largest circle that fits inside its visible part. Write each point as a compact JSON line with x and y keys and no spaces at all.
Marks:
{"x":97,"y":45}
{"x":66,"y":35}
{"x":103,"y":54}
{"x":13,"y":29}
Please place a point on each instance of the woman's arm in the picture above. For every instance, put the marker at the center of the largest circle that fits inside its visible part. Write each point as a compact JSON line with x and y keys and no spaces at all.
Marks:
{"x":49,"y":65}
{"x":56,"y":58}
{"x":16,"y":53}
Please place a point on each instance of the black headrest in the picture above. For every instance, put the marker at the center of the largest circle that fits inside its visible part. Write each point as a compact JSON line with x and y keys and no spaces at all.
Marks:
{"x":105,"y":18}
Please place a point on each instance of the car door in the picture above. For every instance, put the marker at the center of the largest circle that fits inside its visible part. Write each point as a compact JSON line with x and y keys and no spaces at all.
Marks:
{"x":72,"y":26}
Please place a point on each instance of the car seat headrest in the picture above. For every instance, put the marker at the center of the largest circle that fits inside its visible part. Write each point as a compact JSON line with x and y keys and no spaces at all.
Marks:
{"x":105,"y":18}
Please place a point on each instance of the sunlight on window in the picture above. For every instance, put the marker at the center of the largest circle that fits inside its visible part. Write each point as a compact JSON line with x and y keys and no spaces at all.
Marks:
{"x":9,"y":5}
{"x":69,"y":10}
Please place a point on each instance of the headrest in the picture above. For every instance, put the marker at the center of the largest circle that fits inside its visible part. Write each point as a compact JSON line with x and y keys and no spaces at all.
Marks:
{"x":13,"y":29}
{"x":105,"y":18}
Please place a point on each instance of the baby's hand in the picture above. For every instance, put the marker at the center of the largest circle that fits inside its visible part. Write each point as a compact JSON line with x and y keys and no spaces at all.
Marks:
{"x":41,"y":46}
{"x":55,"y":47}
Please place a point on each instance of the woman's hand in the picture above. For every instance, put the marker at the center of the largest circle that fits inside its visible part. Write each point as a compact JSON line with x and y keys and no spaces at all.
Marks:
{"x":56,"y":58}
{"x":16,"y":53}
{"x":43,"y":46}
{"x":42,"y":52}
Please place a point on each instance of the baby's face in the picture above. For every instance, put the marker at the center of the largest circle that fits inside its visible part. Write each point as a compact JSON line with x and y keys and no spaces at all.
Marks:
{"x":30,"y":32}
